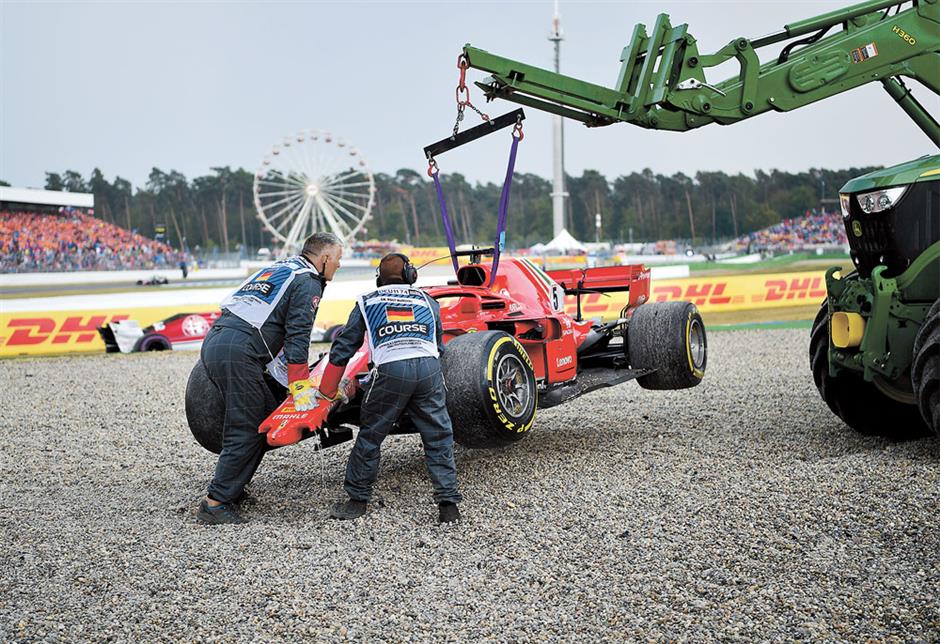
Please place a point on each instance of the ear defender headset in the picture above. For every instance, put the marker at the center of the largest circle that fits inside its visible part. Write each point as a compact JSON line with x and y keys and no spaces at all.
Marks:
{"x":409,"y":274}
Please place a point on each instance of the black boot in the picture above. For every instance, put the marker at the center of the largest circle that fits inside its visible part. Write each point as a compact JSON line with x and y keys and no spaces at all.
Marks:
{"x":218,"y":515}
{"x":351,"y":509}
{"x":448,"y":513}
{"x":244,"y":500}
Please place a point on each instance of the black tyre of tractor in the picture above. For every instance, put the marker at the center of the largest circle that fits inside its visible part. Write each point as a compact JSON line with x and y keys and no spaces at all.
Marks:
{"x":491,"y":390}
{"x":205,"y":409}
{"x":858,"y":403}
{"x":670,"y":338}
{"x":925,"y":372}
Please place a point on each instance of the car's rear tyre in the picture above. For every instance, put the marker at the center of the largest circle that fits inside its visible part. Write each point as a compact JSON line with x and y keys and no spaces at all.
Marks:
{"x":925,"y":372}
{"x":491,"y":390}
{"x":205,"y":409}
{"x":153,"y":342}
{"x":858,"y":403}
{"x":670,"y":338}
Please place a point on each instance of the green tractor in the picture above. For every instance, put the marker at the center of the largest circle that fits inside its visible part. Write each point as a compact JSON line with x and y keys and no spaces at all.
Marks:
{"x":875,"y":344}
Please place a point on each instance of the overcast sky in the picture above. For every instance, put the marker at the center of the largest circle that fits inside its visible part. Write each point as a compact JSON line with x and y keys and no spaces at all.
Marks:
{"x":126,"y":86}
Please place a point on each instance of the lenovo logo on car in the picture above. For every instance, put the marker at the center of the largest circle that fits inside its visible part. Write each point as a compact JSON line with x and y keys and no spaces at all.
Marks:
{"x":561,"y":362}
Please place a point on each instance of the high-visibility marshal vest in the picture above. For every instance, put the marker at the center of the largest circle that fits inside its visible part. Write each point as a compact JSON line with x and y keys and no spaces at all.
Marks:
{"x":255,"y":299}
{"x":399,"y":324}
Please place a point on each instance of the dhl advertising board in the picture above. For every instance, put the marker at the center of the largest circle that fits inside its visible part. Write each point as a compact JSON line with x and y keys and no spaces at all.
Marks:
{"x":721,"y":293}
{"x":427,"y":254}
{"x":60,"y":332}
{"x":53,"y":332}
{"x":76,"y":331}
{"x":419,"y":255}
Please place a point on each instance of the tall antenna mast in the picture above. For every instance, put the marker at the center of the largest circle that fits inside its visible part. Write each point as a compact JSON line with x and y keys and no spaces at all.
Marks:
{"x":558,"y":139}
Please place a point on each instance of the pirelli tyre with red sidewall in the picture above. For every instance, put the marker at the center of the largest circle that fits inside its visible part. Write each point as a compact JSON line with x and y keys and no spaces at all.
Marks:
{"x":492,"y":393}
{"x":668,"y":338}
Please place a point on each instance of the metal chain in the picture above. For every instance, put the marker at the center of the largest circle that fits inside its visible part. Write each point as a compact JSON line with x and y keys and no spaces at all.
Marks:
{"x":483,"y":116}
{"x":460,"y":108}
{"x":463,"y":95}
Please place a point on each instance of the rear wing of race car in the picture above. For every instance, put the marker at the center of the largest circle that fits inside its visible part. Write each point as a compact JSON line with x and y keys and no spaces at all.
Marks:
{"x":633,"y":278}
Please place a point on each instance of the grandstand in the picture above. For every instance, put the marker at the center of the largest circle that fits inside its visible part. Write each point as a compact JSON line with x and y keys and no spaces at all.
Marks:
{"x":46,"y":231}
{"x":810,"y":231}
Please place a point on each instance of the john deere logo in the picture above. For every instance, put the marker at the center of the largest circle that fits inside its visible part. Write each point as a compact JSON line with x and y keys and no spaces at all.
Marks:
{"x":857,"y":228}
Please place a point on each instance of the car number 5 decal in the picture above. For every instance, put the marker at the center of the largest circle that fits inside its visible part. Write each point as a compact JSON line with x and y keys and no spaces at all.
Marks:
{"x":558,"y":297}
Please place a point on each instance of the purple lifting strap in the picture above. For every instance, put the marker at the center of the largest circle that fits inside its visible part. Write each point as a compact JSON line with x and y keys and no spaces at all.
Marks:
{"x":451,"y":244}
{"x":503,"y":209}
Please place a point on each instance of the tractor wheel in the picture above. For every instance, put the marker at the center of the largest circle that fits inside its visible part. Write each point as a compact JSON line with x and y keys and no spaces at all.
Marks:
{"x":670,"y":338}
{"x":153,"y":342}
{"x":205,"y":409}
{"x":858,"y":403}
{"x":925,"y":373}
{"x":491,"y":389}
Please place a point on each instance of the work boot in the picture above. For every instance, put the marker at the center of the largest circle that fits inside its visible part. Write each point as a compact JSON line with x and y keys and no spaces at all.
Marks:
{"x":244,"y":500}
{"x":351,"y":509}
{"x":218,"y":515}
{"x":448,"y":513}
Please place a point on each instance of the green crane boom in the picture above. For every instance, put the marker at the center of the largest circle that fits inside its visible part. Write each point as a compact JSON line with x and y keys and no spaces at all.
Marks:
{"x":662,"y":83}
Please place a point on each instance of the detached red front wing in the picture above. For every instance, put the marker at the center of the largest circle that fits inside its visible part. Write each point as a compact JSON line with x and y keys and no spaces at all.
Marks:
{"x":286,"y":425}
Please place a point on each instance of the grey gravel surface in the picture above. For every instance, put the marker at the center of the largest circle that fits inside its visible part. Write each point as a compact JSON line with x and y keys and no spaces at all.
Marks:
{"x":739,"y":510}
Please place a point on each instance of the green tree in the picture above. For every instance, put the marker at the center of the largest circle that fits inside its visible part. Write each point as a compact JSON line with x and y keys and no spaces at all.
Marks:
{"x":54,"y":181}
{"x":74,"y":182}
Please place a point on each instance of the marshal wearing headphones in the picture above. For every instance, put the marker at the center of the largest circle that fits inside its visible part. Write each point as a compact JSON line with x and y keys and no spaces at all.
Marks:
{"x":387,"y":270}
{"x":399,"y":319}
{"x":402,"y":325}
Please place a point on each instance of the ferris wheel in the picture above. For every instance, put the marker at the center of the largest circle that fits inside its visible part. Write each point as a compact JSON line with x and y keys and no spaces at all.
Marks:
{"x":313,"y":182}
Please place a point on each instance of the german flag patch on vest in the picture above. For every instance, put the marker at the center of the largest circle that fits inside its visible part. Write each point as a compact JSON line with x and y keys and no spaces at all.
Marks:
{"x":400,"y":314}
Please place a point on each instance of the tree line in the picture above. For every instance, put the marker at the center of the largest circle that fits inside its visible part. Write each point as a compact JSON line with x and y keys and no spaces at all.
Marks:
{"x":216,"y":210}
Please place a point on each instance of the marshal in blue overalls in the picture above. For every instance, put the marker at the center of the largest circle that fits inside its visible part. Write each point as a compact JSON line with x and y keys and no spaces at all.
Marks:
{"x":403,"y":327}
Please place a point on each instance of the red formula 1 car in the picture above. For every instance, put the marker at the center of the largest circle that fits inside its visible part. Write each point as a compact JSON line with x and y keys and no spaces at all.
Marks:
{"x":510,"y":349}
{"x":179,"y":332}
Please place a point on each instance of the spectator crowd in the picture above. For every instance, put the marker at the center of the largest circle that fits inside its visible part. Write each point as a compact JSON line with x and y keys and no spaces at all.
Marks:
{"x":73,"y":241}
{"x":810,"y":230}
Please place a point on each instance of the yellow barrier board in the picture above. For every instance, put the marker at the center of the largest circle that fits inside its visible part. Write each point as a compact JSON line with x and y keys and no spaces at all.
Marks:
{"x":59,"y":332}
{"x":419,"y":256}
{"x":720,"y":293}
{"x":62,"y":332}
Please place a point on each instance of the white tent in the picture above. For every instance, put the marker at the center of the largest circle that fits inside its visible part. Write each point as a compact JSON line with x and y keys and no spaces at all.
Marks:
{"x":564,"y":243}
